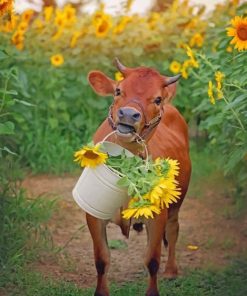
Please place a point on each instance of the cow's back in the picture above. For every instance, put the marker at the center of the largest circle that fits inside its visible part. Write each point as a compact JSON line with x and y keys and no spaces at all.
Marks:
{"x":171,"y":140}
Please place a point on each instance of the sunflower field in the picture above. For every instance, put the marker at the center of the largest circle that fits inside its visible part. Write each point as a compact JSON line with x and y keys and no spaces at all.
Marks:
{"x":45,"y":56}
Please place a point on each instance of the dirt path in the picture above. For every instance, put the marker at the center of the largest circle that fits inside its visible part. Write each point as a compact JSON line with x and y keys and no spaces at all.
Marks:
{"x":204,"y":223}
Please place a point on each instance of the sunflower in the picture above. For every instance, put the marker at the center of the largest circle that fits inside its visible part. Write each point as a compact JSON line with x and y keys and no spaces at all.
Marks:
{"x":175,"y":67}
{"x":119,"y":76}
{"x":57,"y":60}
{"x":48,"y":12}
{"x":239,"y":32}
{"x":103,"y":27}
{"x":173,"y":168}
{"x":136,"y":210}
{"x":211,"y":92}
{"x":27,"y":15}
{"x":219,"y":77}
{"x":90,"y":157}
{"x":5,"y":6}
{"x":76,"y":35}
{"x":196,"y":40}
{"x":170,"y":192}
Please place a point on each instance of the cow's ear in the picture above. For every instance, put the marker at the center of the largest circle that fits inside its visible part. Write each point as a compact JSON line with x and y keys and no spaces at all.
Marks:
{"x":169,"y":92}
{"x":101,"y":84}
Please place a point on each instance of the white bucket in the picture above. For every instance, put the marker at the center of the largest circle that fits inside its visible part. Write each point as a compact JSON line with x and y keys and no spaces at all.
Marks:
{"x":96,"y":191}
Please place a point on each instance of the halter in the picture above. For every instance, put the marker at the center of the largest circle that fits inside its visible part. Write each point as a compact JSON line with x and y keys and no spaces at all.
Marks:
{"x":148,"y":126}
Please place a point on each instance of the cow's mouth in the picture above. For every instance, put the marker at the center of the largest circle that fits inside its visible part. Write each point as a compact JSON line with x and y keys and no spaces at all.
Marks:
{"x":126,"y":130}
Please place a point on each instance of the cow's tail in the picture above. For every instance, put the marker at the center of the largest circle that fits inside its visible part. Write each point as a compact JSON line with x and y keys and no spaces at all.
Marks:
{"x":165,"y":240}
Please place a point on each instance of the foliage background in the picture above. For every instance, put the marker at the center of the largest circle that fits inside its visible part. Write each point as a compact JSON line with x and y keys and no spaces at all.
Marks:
{"x":64,"y":112}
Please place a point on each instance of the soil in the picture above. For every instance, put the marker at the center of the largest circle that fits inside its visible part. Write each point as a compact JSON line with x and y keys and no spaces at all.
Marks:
{"x":206,"y":221}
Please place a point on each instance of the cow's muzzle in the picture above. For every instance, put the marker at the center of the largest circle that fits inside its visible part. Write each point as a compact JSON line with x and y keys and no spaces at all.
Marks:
{"x":128,"y":121}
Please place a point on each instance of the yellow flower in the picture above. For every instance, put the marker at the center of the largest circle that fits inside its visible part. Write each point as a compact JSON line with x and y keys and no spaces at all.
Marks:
{"x":58,"y":34}
{"x":229,"y":49}
{"x":27,"y":15}
{"x":173,"y":168}
{"x":98,"y":17}
{"x":145,"y":210}
{"x":57,"y":60}
{"x":22,"y":26}
{"x":239,"y":32}
{"x":170,"y":192}
{"x":76,"y":35}
{"x":192,"y":247}
{"x":90,"y":157}
{"x":196,"y":40}
{"x":18,"y":40}
{"x":210,"y":92}
{"x":175,"y":67}
{"x":219,"y":77}
{"x":48,"y":12}
{"x":184,"y":73}
{"x":38,"y":24}
{"x":69,"y":14}
{"x":59,"y":19}
{"x":119,"y":76}
{"x":5,"y":6}
{"x":103,"y":27}
{"x":189,"y":52}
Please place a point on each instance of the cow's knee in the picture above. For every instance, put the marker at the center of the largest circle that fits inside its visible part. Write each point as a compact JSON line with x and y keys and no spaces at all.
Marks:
{"x":153,"y":266}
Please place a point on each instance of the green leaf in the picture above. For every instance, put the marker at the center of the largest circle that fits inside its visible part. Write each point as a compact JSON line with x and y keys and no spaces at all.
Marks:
{"x":123,"y":182}
{"x":7,"y":128}
{"x":3,"y":55}
{"x":24,"y":103}
{"x":8,"y":150}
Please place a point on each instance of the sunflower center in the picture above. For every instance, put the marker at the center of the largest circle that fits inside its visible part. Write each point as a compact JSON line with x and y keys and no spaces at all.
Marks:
{"x":242,"y":33}
{"x":103,"y":27}
{"x":91,"y":155}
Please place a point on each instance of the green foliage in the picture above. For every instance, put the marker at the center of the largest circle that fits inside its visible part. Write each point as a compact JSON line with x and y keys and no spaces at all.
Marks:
{"x":117,"y":244}
{"x":226,"y":120}
{"x":22,"y":228}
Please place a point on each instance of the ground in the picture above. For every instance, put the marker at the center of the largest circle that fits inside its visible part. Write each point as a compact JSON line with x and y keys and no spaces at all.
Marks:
{"x":206,"y":220}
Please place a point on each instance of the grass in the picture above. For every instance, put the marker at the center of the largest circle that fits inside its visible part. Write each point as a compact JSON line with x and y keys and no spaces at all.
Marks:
{"x":229,"y":282}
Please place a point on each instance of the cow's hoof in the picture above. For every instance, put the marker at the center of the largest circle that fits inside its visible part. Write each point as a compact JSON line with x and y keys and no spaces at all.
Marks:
{"x":171,"y":273}
{"x":153,"y":293}
{"x":100,"y":294}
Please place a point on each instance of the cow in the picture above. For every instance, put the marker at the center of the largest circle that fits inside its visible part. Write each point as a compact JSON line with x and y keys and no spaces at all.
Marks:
{"x":142,"y":108}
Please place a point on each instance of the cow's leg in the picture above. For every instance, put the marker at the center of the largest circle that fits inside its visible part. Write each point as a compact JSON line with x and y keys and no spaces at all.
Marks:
{"x":97,"y":229}
{"x":155,"y":231}
{"x":172,"y":229}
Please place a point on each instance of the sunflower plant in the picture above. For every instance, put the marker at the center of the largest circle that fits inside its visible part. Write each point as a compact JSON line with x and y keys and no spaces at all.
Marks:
{"x":151,"y":185}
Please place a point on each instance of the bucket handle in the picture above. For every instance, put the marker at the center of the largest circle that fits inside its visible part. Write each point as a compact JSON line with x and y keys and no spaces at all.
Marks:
{"x":140,"y":141}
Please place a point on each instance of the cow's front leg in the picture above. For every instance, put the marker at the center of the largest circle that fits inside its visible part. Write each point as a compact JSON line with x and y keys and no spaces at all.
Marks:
{"x":97,"y":229}
{"x":155,"y":231}
{"x":172,"y":229}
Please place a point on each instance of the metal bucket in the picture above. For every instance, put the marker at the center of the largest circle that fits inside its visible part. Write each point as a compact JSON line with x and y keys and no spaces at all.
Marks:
{"x":96,"y":191}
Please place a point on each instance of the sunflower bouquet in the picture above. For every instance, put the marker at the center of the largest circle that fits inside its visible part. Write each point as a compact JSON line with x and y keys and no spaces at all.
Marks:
{"x":151,"y":184}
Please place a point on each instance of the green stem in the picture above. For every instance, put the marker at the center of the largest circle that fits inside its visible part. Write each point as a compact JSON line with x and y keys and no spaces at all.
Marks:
{"x":234,"y":113}
{"x":4,"y":92}
{"x":234,"y":85}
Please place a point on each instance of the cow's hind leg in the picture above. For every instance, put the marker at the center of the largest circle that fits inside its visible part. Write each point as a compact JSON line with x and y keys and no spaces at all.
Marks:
{"x":97,"y":229}
{"x":171,"y":235}
{"x":155,"y":231}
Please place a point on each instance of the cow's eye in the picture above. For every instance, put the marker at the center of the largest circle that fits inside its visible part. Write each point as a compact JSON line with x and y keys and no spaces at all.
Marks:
{"x":117,"y":92}
{"x":158,"y":101}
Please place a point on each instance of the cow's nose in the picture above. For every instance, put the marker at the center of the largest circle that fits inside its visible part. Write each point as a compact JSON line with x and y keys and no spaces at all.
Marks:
{"x":129,"y":113}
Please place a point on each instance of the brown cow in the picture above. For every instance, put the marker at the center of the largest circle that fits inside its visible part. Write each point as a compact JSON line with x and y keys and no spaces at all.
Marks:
{"x":142,"y":107}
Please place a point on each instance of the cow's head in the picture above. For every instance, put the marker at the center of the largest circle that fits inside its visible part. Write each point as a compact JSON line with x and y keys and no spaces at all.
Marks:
{"x":139,"y":99}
